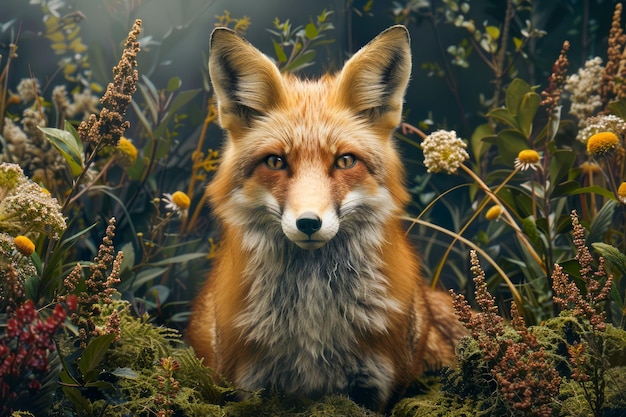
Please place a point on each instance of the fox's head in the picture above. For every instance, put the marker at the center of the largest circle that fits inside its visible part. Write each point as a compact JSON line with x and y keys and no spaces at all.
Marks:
{"x":309,"y":159}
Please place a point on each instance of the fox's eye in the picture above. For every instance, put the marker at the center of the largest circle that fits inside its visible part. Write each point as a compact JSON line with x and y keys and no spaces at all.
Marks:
{"x":275,"y":162}
{"x":345,"y":161}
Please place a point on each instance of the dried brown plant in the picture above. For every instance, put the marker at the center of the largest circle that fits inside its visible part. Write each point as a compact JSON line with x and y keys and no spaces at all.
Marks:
{"x":109,"y":126}
{"x":523,"y":371}
{"x":95,"y":290}
{"x":612,"y":85}
{"x":552,"y":94}
{"x":587,"y":356}
{"x":568,"y":296}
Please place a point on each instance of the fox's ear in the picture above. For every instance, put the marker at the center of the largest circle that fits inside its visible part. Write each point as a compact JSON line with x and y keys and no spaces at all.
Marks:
{"x":246,"y":82}
{"x":374,"y":80}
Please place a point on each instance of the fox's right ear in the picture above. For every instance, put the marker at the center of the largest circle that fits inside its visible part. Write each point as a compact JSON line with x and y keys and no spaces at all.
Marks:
{"x":246,"y":82}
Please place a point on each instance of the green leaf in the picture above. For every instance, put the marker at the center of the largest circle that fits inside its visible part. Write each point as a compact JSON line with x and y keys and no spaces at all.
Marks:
{"x":527,"y":110}
{"x":174,"y":84}
{"x":83,"y":406}
{"x":180,"y":259}
{"x":302,"y":61}
{"x":94,"y":353}
{"x":595,"y":189}
{"x":101,"y":385}
{"x":158,"y":293}
{"x":530,"y":229}
{"x":68,"y":146}
{"x":493,"y":31}
{"x":560,"y":165}
{"x":129,"y":257}
{"x":504,"y":116}
{"x":514,"y":94}
{"x":150,"y":100}
{"x":310,"y":31}
{"x":565,"y":189}
{"x":147,"y":275}
{"x":179,"y":101}
{"x":127,"y":373}
{"x":612,"y":254}
{"x":601,"y":223}
{"x":280,"y":52}
{"x":478,"y":146}
{"x":70,"y":128}
{"x":510,"y":143}
{"x":618,"y":108}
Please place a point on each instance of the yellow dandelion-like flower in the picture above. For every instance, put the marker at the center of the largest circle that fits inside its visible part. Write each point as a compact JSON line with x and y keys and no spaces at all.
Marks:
{"x":528,"y":158}
{"x":590,"y":168}
{"x":494,"y":212}
{"x":602,"y":144}
{"x":24,"y":245}
{"x":127,"y":152}
{"x":178,"y":202}
{"x":621,"y":193}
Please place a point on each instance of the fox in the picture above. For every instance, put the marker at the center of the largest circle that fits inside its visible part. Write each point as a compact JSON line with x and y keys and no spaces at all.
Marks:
{"x":316,"y":290}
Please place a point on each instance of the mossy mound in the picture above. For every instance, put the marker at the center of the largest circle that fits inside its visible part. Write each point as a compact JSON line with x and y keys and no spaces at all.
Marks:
{"x":180,"y":385}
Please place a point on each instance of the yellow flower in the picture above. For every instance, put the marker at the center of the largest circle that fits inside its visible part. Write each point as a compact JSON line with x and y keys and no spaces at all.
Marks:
{"x":602,"y":143}
{"x":528,"y":158}
{"x":127,"y":153}
{"x":178,"y":202}
{"x":621,"y":193}
{"x":181,"y":200}
{"x":494,"y":213}
{"x":590,"y":168}
{"x":24,"y":245}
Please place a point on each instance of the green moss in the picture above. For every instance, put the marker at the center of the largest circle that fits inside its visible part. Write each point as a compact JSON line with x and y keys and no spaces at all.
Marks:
{"x":467,"y":389}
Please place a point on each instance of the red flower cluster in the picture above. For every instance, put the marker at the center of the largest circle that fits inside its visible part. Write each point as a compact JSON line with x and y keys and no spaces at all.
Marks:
{"x":25,"y":348}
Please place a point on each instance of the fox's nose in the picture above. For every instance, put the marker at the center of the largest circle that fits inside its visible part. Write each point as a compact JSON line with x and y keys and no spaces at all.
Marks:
{"x":308,"y":223}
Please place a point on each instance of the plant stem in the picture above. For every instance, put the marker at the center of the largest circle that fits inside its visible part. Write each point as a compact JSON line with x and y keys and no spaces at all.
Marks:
{"x":519,"y":301}
{"x":508,"y":217}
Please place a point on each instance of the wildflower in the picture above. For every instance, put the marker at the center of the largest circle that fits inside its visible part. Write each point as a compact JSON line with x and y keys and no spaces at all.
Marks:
{"x":126,"y":152}
{"x":584,"y":89}
{"x":621,"y":193}
{"x":178,"y":202}
{"x":14,"y":270}
{"x":597,"y":124}
{"x":590,"y":168}
{"x":527,"y":158}
{"x":602,"y":143}
{"x":24,"y":206}
{"x":444,"y":151}
{"x":494,"y":212}
{"x":60,"y":100}
{"x":24,"y":245}
{"x":85,"y":103}
{"x":28,"y":89}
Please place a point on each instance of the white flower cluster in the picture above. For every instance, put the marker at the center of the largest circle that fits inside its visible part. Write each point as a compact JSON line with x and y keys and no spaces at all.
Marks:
{"x":597,"y":124}
{"x":28,"y":89}
{"x":444,"y":151}
{"x":584,"y":89}
{"x":25,"y":206}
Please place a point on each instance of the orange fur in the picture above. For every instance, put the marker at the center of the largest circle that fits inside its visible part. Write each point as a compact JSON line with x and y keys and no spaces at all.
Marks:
{"x":316,"y":289}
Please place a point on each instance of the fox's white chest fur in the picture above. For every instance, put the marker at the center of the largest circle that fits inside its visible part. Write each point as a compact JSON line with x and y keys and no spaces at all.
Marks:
{"x":306,"y":313}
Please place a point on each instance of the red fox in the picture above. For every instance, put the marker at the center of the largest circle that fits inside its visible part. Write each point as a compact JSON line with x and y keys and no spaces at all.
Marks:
{"x":316,"y":290}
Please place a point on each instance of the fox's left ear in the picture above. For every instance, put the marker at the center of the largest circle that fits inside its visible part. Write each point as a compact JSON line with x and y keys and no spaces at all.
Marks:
{"x":374,"y":80}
